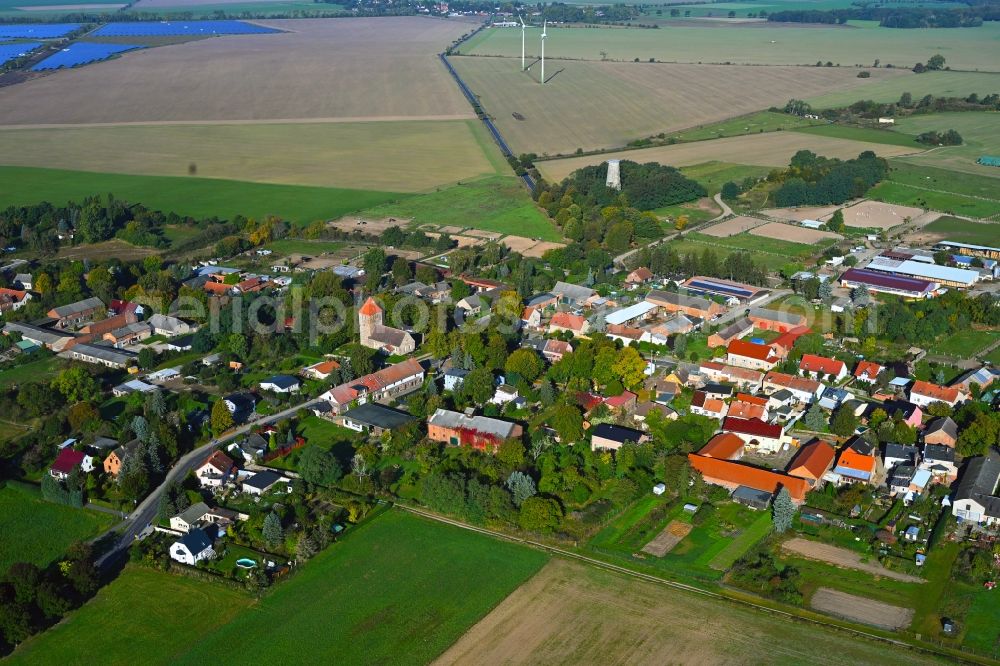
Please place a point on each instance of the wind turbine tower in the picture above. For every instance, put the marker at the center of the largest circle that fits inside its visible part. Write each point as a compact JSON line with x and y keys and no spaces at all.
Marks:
{"x":522,"y":41}
{"x":542,"y":79}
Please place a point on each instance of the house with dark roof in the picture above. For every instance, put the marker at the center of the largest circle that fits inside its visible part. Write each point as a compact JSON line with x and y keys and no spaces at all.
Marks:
{"x":610,"y":437}
{"x":775,"y":320}
{"x":192,"y":548}
{"x":757,"y":434}
{"x":740,"y":328}
{"x":240,"y":405}
{"x":477,"y":432}
{"x":900,"y":454}
{"x":911,"y":414}
{"x":375,"y":419}
{"x":74,"y":314}
{"x":252,"y":447}
{"x":263,"y":482}
{"x":942,"y":431}
{"x":976,"y":498}
{"x":280,"y":384}
{"x":940,"y":462}
{"x":692,"y":306}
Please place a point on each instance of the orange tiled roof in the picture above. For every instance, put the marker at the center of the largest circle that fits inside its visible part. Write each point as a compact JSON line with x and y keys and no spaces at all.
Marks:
{"x":569,"y":321}
{"x":750,"y":350}
{"x":738,"y":474}
{"x":868,"y":368}
{"x":724,"y":446}
{"x":942,"y":393}
{"x":813,"y":461}
{"x":827,"y":366}
{"x":851,"y":459}
{"x":370,"y":308}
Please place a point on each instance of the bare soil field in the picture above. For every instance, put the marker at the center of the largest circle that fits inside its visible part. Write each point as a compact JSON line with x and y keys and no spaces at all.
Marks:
{"x":479,"y":233}
{"x":860,"y":609}
{"x":665,"y":541}
{"x":529,"y":247}
{"x":841,"y":557}
{"x":593,"y":105}
{"x":463,"y":241}
{"x":318,"y":68}
{"x":732,"y":226}
{"x":774,"y":149}
{"x":570,"y":613}
{"x":410,"y":156}
{"x":793,"y":233}
{"x":877,"y":215}
{"x":799,"y":214}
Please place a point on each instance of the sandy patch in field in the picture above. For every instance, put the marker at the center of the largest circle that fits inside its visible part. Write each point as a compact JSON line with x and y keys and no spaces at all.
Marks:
{"x":463,"y":241}
{"x":451,"y":230}
{"x":799,"y":214}
{"x":774,"y":149}
{"x":479,"y":233}
{"x":861,"y":609}
{"x":571,"y":613}
{"x":878,"y":215}
{"x":841,"y":557}
{"x":665,"y":541}
{"x":529,"y":247}
{"x":317,"y":68}
{"x":375,"y":226}
{"x":731,"y":227}
{"x":794,"y":234}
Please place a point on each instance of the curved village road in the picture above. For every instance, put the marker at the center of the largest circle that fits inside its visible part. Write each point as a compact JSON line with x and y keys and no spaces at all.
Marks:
{"x":145,"y":512}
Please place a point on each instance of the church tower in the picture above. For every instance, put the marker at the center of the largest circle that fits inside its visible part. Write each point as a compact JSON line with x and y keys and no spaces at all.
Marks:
{"x":369,"y":318}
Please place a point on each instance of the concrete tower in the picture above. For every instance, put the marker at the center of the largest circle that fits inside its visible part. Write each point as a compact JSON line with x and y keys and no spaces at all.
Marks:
{"x":369,"y":319}
{"x":614,"y":175}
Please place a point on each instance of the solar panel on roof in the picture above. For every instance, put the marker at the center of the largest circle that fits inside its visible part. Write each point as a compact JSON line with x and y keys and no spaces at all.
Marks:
{"x":713,"y":286}
{"x":173,"y":28}
{"x":82,"y":53}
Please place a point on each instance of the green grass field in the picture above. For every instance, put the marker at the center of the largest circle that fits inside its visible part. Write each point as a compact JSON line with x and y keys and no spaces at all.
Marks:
{"x":963,"y":231}
{"x":968,"y":48}
{"x":862,"y":134}
{"x":965,"y":343}
{"x":760,"y":245}
{"x":754,"y":123}
{"x":36,"y":371}
{"x":939,"y":84}
{"x":37,"y":531}
{"x":398,"y":590}
{"x":966,"y":194}
{"x":713,"y":175}
{"x":497,"y":203}
{"x":692,"y":243}
{"x":144,"y":616}
{"x":979,"y":135}
{"x":287,"y":246}
{"x":197,"y":197}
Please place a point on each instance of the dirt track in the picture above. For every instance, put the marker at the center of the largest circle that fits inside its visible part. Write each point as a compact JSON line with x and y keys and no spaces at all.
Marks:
{"x":841,"y":557}
{"x":861,"y":609}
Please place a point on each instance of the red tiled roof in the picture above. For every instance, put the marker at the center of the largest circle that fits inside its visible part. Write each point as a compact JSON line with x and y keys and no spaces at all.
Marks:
{"x":569,"y":321}
{"x":787,"y":339}
{"x":588,"y":401}
{"x":737,"y":474}
{"x":754,"y":427}
{"x":219,"y":461}
{"x":526,"y":315}
{"x":640,"y":274}
{"x":827,"y":366}
{"x":558,"y":347}
{"x":851,"y":459}
{"x":67,"y":460}
{"x":217,"y":287}
{"x":792,"y":382}
{"x":750,"y":350}
{"x":619,"y":401}
{"x":942,"y":393}
{"x":752,"y":399}
{"x":324,"y":367}
{"x":625,"y":331}
{"x":868,"y":368}
{"x":724,"y":446}
{"x":746,"y":410}
{"x":370,"y":308}
{"x":813,"y":461}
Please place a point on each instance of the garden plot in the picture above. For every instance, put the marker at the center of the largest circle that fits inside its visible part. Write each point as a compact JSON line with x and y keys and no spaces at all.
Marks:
{"x":733,"y":226}
{"x":841,"y":557}
{"x":665,"y":541}
{"x":860,"y":609}
{"x":876,"y":215}
{"x":794,"y":234}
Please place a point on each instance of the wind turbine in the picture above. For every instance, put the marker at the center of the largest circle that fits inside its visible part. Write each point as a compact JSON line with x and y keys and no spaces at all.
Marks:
{"x":519,"y":18}
{"x":542,"y":79}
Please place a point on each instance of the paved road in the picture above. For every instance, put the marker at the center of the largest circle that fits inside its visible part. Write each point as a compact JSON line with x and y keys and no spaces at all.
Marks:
{"x":726,"y":210}
{"x":145,"y":512}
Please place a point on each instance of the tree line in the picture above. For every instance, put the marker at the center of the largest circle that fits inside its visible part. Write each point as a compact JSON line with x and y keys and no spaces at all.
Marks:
{"x":895,"y":17}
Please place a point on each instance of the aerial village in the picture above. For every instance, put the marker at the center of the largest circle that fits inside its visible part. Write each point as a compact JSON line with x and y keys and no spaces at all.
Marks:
{"x":775,"y":409}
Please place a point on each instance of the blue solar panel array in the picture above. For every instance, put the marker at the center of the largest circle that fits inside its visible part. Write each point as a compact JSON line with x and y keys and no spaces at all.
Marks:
{"x":37,"y":30}
{"x":719,"y":288}
{"x":173,"y":28}
{"x":11,"y":51}
{"x":82,"y":53}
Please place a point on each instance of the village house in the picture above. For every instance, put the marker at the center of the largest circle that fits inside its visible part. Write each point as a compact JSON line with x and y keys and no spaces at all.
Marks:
{"x":128,"y":335}
{"x":626,"y":335}
{"x":804,"y":390}
{"x":168,"y":326}
{"x":113,"y":462}
{"x":110,"y":357}
{"x":644,"y":409}
{"x":821,"y":367}
{"x":735,"y":476}
{"x":611,"y":437}
{"x":975,"y":499}
{"x":266,"y":481}
{"x":573,"y":295}
{"x":743,"y":379}
{"x":724,"y":446}
{"x":240,"y":405}
{"x":623,"y":403}
{"x":692,"y":306}
{"x":773,"y":320}
{"x":375,"y":419}
{"x":942,"y":431}
{"x":939,"y":460}
{"x":320,"y":371}
{"x":531,"y":318}
{"x":859,"y":462}
{"x":746,"y":406}
{"x":564,"y":321}
{"x":868,"y":372}
{"x":216,"y":471}
{"x":983,"y":378}
{"x":200,"y":515}
{"x":900,"y":454}
{"x":924,"y":393}
{"x":192,"y":548}
{"x":74,"y":314}
{"x":750,"y":355}
{"x":280,"y":384}
{"x":909,"y":413}
{"x":12,"y":300}
{"x":735,"y":331}
{"x":479,"y":432}
{"x":703,"y":405}
{"x":758,"y":435}
{"x":782,"y":345}
{"x":812,"y":462}
{"x":374,"y":335}
{"x":385,"y":384}
{"x":638,"y":277}
{"x":67,"y":460}
{"x":453,"y":378}
{"x":554,"y":350}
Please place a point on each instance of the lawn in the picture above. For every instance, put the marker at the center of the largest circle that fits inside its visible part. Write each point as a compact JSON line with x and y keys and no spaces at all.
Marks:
{"x":399,"y":589}
{"x":939,"y":84}
{"x":144,"y":616}
{"x":869,"y":134}
{"x":495,"y":203}
{"x":754,"y":123}
{"x":982,"y":620}
{"x":769,"y":252}
{"x":943,"y":190}
{"x":964,"y":231}
{"x":979,"y":137}
{"x":41,"y":370}
{"x":37,"y":531}
{"x":196,"y":197}
{"x":713,"y":175}
{"x":965,"y":343}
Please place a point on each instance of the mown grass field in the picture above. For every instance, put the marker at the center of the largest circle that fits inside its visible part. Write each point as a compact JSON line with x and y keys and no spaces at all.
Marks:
{"x":871,"y":135}
{"x":713,"y":175}
{"x":403,"y":156}
{"x":35,"y":371}
{"x":754,"y":123}
{"x":497,"y":203}
{"x":287,"y":246}
{"x":197,"y":197}
{"x":980,"y":136}
{"x":965,"y":343}
{"x":144,"y":616}
{"x":968,"y":48}
{"x":939,"y":189}
{"x":939,"y":84}
{"x":597,"y":105}
{"x":964,"y":231}
{"x":37,"y":531}
{"x":398,"y":590}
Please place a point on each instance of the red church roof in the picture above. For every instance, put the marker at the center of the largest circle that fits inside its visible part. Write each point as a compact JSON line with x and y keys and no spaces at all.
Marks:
{"x":370,"y":308}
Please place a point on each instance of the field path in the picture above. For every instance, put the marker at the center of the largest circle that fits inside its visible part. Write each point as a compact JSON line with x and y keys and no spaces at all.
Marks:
{"x":842,"y":557}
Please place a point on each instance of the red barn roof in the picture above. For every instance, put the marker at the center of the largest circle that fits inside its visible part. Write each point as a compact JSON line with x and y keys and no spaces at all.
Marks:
{"x":754,"y":427}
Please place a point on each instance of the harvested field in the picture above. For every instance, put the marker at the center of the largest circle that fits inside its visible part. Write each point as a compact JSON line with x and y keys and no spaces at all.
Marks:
{"x":570,"y":613}
{"x":772,"y":150}
{"x":733,"y":226}
{"x":860,"y":609}
{"x":799,"y":214}
{"x":665,"y":541}
{"x":361,"y":69}
{"x":407,"y":156}
{"x":841,"y":557}
{"x":530,"y":247}
{"x":593,"y":105}
{"x":877,"y":215}
{"x":794,"y":234}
